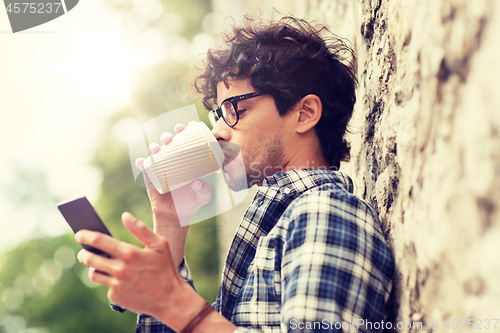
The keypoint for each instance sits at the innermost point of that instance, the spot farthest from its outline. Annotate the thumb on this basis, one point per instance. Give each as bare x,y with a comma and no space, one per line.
201,187
137,228
202,191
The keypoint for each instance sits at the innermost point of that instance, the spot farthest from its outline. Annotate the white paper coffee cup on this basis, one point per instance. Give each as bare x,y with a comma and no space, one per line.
192,154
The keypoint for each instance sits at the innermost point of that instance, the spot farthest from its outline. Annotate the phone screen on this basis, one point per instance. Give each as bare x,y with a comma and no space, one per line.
80,215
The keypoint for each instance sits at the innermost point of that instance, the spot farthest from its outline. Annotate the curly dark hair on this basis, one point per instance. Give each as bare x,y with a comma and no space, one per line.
289,59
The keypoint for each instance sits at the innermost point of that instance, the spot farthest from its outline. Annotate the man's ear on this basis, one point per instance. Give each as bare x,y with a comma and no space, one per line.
309,110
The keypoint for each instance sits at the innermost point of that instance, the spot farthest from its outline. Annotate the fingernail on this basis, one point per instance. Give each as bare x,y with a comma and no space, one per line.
166,137
139,163
131,217
198,185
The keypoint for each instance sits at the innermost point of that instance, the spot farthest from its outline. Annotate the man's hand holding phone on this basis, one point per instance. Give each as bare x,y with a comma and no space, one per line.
142,280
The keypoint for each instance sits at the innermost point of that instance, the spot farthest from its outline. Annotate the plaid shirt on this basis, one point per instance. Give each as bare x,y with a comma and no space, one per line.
308,256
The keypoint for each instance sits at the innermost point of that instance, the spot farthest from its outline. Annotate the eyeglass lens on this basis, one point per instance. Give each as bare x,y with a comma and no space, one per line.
229,113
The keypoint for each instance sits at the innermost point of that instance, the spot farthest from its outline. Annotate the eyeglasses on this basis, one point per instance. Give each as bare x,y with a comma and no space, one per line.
228,109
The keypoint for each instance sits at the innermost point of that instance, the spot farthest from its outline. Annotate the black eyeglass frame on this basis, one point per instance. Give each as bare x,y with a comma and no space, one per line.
217,113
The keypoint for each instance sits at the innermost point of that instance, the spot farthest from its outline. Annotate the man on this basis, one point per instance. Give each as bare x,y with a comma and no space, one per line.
308,256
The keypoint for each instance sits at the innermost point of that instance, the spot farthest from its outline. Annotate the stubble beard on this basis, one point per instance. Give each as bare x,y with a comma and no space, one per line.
260,161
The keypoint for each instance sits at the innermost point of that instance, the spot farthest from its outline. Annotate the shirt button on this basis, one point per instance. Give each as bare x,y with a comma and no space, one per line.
260,203
287,190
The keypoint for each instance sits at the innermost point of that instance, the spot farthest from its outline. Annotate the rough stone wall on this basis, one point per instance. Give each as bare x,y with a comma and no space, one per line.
426,144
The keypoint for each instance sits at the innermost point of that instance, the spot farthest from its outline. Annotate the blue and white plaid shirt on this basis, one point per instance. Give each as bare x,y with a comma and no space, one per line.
308,256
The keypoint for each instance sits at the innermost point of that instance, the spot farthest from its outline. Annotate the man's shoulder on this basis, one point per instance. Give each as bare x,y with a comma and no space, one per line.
331,203
329,214
329,198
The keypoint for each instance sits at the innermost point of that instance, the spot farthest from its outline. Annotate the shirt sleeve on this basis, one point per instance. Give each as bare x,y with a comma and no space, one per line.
185,273
336,267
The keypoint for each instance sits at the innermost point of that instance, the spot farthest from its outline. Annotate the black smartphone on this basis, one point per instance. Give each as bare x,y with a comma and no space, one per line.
80,215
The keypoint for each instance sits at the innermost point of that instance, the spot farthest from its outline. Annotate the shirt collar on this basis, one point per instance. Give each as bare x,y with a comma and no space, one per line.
294,182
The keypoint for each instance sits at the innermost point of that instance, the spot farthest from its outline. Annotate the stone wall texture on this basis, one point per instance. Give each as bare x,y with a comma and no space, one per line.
426,144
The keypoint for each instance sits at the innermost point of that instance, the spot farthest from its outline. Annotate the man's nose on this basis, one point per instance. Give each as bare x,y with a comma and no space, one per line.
222,131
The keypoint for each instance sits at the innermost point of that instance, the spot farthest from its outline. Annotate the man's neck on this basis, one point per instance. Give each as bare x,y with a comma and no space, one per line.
306,159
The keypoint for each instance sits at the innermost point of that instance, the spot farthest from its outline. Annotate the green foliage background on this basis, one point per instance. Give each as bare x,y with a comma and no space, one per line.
58,305
56,296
